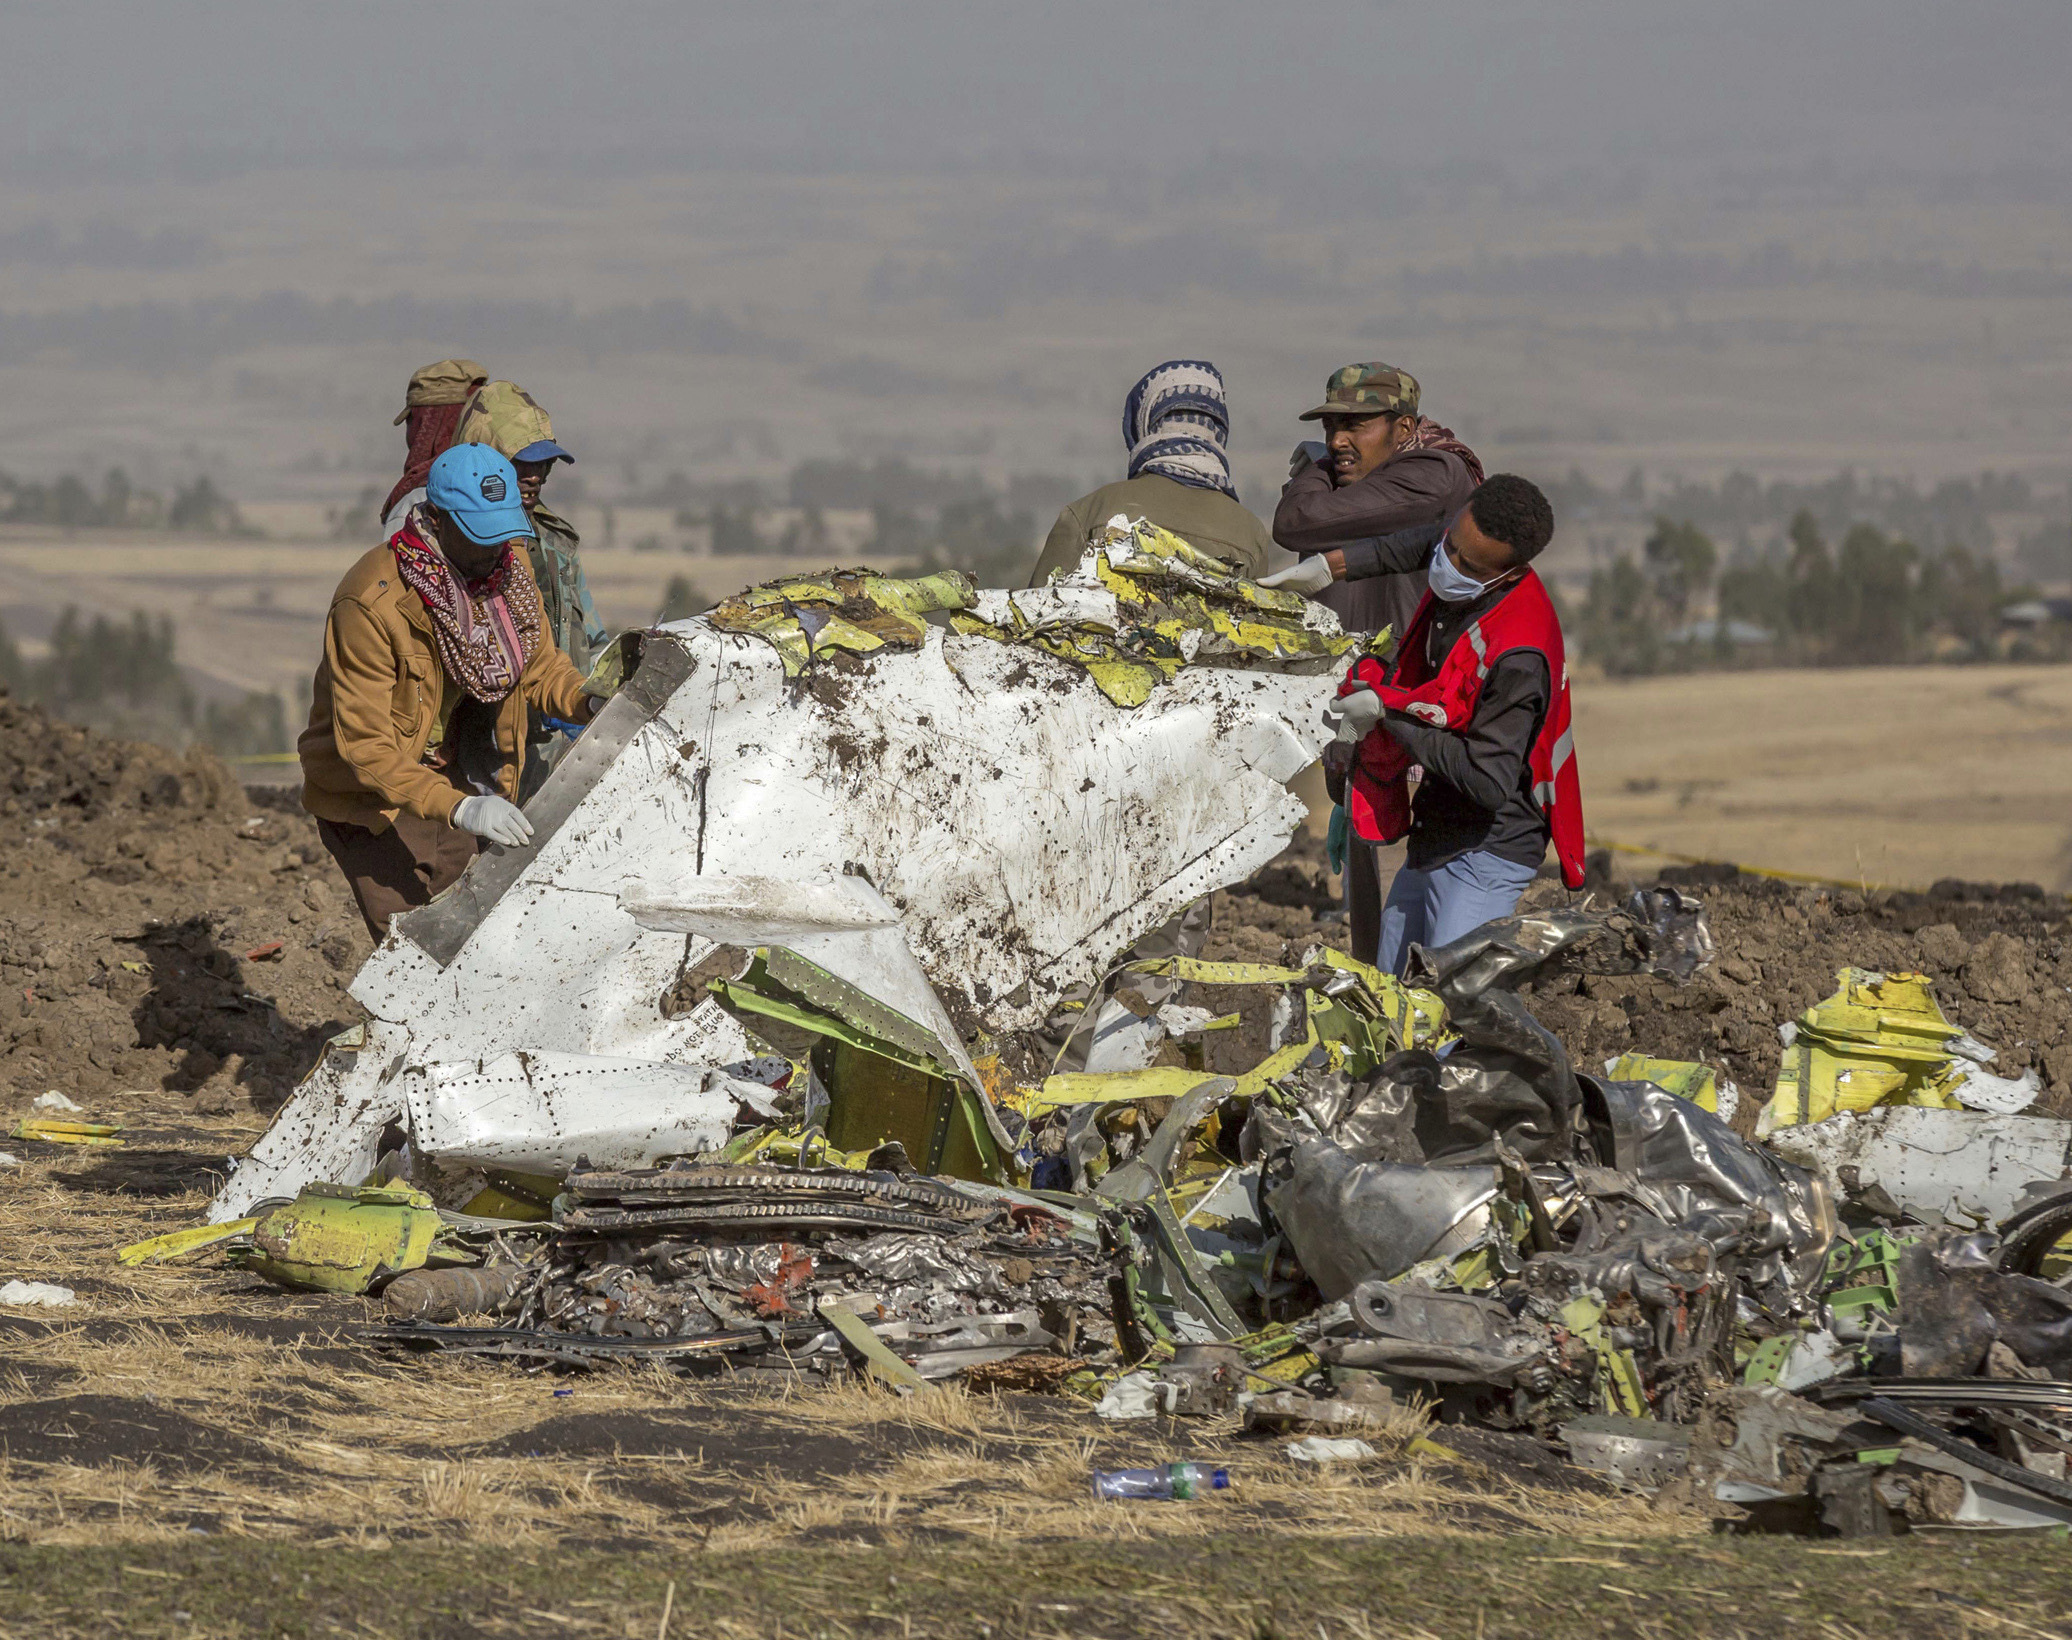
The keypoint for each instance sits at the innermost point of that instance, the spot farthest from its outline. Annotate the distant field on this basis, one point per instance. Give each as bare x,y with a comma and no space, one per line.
250,613
1895,775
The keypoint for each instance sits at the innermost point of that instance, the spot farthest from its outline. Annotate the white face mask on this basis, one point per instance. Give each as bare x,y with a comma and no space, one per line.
1448,583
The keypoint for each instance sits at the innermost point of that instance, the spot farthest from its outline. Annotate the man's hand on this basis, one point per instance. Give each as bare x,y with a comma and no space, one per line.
1309,576
493,818
1308,452
1352,718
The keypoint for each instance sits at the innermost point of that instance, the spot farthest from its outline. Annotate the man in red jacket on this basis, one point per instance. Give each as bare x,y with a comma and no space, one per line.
1477,696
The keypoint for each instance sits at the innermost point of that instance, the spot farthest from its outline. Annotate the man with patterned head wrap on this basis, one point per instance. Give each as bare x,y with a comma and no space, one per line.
432,405
1176,427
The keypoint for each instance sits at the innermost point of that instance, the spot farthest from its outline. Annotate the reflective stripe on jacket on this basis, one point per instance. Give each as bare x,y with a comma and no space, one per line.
1378,794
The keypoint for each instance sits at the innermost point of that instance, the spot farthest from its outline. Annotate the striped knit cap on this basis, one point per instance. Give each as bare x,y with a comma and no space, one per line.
1176,422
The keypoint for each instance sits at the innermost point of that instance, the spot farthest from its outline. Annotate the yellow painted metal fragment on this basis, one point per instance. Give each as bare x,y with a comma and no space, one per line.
178,1242
1881,1039
66,1133
337,1239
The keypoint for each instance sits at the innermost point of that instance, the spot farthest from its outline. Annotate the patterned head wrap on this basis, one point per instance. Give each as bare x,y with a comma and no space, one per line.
1176,422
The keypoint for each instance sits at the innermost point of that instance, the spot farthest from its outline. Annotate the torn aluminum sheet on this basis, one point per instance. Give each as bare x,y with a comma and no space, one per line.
1642,1453
540,1112
1023,827
1962,1165
1349,1221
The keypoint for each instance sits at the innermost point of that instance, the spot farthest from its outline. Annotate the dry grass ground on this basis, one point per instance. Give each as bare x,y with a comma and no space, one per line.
188,1451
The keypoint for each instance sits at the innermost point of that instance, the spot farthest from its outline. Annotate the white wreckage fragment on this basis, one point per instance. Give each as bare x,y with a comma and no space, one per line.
964,829
1965,1166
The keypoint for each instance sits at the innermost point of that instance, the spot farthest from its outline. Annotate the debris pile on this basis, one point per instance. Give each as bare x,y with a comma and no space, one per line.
746,1061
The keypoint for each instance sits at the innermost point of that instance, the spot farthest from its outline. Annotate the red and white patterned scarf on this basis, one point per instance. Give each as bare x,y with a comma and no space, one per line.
1429,435
487,629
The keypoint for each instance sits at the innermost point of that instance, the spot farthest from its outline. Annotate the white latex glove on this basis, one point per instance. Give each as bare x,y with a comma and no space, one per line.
1353,716
1308,576
495,818
1309,450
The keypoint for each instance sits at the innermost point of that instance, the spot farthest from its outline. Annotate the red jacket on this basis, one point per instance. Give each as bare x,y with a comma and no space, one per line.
1378,794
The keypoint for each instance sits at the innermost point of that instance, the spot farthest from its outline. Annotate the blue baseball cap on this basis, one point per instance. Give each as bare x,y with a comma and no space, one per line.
544,450
478,489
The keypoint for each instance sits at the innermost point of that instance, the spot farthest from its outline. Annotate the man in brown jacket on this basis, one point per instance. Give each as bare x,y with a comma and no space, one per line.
434,648
1381,468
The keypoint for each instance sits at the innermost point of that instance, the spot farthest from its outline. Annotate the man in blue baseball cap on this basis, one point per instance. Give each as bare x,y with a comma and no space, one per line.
435,648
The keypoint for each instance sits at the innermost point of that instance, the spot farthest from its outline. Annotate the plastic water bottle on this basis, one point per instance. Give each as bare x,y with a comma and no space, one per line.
1173,1480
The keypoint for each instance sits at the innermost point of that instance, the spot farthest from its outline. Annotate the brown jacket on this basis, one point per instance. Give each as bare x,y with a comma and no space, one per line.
376,701
1417,487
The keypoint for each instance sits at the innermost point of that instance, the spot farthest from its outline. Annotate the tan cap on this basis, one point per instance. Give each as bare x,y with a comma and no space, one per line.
450,381
510,421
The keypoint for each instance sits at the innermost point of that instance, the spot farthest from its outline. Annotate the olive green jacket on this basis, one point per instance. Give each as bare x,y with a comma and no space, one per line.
1205,519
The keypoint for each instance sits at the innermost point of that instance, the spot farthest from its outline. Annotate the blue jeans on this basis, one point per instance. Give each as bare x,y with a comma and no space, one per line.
1436,907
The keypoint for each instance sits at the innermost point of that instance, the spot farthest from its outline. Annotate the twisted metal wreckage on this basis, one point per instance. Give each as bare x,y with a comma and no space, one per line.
743,1058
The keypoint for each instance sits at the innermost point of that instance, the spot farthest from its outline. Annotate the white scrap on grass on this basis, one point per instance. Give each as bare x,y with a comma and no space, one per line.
1133,1395
9,1159
1328,1449
53,1100
36,1292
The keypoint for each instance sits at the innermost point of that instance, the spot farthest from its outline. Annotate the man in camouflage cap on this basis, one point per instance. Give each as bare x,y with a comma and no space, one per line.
512,422
1381,467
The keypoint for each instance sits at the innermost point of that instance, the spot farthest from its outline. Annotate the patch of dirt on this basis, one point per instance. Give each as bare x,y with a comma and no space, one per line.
100,1429
142,890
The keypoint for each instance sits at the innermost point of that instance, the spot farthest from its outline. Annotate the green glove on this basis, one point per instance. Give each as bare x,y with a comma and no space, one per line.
1335,838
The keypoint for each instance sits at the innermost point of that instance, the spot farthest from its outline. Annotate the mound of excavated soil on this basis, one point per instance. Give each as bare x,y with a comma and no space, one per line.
137,883
2001,959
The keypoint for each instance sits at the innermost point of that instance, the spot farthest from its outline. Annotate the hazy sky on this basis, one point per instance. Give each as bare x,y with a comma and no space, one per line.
1686,233
1916,84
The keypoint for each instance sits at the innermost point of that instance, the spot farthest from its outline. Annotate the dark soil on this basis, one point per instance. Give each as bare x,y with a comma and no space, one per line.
99,1429
2001,960
137,881
1233,1582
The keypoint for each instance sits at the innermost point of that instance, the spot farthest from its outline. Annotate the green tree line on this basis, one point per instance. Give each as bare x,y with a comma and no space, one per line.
71,503
1871,599
124,676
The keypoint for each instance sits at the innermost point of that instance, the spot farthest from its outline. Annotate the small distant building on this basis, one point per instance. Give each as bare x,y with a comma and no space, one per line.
2033,612
1742,634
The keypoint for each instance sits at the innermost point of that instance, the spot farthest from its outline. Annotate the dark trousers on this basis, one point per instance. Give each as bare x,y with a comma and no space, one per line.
390,872
1363,898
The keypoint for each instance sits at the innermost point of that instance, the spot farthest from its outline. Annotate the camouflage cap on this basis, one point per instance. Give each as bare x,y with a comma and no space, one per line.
509,420
450,381
1367,390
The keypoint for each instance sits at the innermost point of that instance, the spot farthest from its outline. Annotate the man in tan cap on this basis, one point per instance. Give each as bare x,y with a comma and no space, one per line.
512,422
1381,467
432,405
